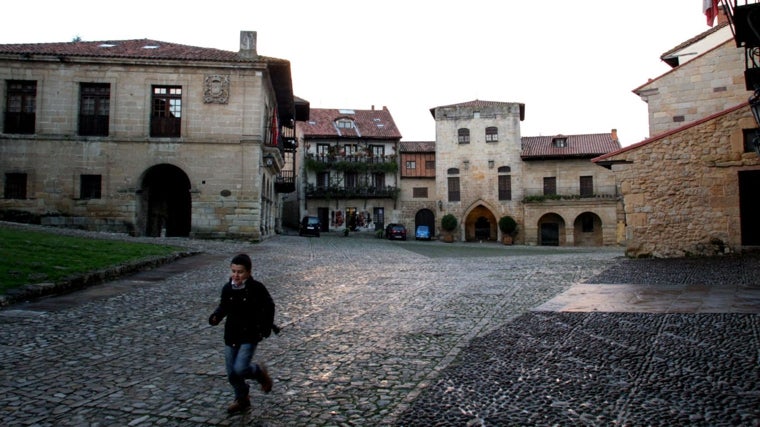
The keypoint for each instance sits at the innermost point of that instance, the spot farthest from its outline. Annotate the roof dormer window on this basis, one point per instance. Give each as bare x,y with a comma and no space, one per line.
344,124
559,142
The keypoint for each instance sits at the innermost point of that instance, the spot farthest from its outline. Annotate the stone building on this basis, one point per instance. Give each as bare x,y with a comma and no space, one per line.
478,169
691,191
147,137
485,170
349,168
692,187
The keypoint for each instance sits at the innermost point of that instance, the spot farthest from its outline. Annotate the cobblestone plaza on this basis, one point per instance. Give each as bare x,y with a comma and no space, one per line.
393,333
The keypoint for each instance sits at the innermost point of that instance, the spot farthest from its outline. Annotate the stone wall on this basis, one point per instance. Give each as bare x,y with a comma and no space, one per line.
219,151
680,191
710,83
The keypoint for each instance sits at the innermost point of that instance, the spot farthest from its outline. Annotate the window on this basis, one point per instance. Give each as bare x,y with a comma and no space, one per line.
323,150
94,109
323,179
378,180
454,195
350,149
344,124
559,142
749,139
587,186
464,136
89,186
20,106
411,164
430,164
15,186
550,186
505,183
377,150
352,179
166,113
492,134
419,192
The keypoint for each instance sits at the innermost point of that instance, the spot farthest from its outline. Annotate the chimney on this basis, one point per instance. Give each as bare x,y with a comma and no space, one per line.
722,15
613,134
248,45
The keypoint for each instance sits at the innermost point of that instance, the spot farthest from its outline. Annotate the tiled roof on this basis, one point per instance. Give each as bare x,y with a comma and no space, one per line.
417,146
579,146
479,103
376,124
153,50
132,49
693,40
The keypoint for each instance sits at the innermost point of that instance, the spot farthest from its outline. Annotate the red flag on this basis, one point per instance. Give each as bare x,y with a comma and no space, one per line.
710,8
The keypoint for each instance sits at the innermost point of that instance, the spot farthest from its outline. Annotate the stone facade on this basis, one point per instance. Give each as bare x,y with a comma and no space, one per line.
682,191
709,83
690,189
478,144
210,180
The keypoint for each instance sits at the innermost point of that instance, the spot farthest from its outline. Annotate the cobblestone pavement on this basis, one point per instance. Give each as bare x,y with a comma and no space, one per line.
378,333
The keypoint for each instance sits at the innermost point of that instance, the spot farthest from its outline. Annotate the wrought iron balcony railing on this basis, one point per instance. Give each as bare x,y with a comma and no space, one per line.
537,195
334,192
351,163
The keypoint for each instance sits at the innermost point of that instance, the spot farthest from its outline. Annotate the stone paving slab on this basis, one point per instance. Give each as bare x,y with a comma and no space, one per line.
371,329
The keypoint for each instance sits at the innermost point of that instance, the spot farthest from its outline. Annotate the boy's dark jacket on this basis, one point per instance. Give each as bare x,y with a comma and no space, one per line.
249,312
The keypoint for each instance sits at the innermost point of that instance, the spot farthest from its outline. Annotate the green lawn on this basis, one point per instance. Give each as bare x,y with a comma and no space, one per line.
34,256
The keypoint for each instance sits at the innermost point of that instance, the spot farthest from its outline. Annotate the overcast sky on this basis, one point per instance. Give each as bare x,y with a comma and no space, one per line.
573,64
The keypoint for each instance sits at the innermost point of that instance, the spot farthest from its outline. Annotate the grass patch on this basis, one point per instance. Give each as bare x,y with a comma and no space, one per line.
34,256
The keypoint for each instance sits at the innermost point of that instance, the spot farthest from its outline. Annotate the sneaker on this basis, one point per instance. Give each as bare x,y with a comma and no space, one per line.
264,379
239,405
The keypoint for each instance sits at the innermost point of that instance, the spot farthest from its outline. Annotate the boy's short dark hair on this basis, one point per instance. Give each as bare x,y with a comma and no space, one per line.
242,259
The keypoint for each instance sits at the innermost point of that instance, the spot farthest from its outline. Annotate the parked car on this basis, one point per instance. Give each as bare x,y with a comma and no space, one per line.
395,231
422,233
309,226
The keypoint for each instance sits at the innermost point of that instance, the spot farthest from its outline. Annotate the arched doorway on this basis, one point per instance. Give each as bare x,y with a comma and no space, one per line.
587,230
480,225
551,229
424,217
164,202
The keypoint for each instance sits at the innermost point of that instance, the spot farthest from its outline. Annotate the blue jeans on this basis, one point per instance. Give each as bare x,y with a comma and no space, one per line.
237,359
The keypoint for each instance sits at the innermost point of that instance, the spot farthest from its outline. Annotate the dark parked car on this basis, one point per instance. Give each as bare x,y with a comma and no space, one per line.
309,226
422,233
395,231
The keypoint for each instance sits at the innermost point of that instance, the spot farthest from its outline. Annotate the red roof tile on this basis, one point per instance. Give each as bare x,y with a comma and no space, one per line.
417,146
377,124
133,49
479,103
590,145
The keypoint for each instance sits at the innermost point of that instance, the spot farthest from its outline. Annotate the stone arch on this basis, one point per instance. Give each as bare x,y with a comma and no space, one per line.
551,230
163,202
480,224
587,230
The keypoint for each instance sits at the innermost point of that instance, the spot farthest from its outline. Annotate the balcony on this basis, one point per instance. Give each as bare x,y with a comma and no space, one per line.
335,192
351,163
537,195
285,182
